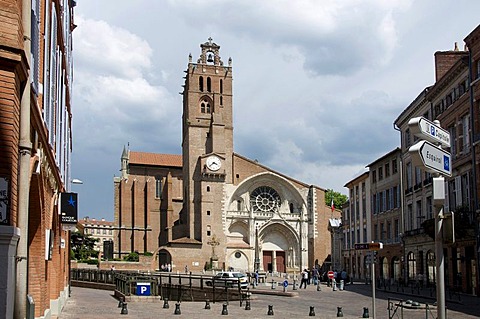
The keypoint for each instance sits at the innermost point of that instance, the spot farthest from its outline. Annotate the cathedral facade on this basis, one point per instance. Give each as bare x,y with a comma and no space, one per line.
211,207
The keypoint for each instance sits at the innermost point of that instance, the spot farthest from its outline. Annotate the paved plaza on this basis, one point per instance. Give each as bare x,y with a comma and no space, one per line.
92,303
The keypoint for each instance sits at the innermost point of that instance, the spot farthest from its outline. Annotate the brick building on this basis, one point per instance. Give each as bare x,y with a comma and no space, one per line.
211,206
35,148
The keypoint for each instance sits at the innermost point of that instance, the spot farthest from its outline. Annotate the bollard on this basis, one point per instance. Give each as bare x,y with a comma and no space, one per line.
165,303
207,304
124,310
312,312
270,310
318,286
274,284
339,312
224,309
334,285
120,302
247,305
177,309
341,284
294,284
365,313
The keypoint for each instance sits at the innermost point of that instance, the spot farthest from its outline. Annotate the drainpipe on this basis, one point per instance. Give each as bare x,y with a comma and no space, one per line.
402,209
474,146
25,148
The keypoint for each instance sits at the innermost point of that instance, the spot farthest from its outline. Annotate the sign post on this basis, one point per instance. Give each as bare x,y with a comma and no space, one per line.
371,247
437,161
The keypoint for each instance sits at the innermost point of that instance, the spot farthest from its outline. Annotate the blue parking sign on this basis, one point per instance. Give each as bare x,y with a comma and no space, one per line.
143,289
285,283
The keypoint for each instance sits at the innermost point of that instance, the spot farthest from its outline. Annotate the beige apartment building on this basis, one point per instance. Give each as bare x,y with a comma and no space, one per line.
211,207
100,229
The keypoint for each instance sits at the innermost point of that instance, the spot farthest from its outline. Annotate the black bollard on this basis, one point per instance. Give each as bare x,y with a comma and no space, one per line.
177,309
224,309
339,312
207,304
312,311
165,303
124,310
247,305
120,302
365,313
270,310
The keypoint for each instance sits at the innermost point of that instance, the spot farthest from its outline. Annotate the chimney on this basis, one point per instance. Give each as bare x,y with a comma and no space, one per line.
444,60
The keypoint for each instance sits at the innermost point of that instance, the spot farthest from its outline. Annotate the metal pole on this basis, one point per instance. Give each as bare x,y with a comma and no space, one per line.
373,284
439,192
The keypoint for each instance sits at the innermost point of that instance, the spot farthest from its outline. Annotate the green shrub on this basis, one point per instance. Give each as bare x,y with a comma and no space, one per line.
131,257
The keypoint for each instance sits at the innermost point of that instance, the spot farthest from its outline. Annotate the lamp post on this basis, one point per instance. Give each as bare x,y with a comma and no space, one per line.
69,230
257,252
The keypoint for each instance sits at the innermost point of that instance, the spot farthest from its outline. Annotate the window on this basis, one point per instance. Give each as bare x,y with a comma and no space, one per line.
205,106
453,138
410,225
409,175
429,207
239,205
374,176
265,199
464,136
465,189
110,232
221,86
380,173
208,188
418,176
158,187
209,84
408,140
200,84
387,170
396,229
104,231
411,266
394,166
209,230
208,213
420,216
375,232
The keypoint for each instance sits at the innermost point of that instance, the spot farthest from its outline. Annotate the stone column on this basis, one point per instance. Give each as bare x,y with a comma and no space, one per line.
9,237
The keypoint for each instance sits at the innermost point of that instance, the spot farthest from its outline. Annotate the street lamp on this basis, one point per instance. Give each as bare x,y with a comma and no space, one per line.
76,181
257,252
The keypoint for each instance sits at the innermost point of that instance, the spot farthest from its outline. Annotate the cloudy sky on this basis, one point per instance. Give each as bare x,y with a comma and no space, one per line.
317,83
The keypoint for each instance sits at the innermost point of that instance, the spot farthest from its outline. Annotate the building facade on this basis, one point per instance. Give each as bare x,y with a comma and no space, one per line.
35,143
356,227
386,214
99,229
448,100
211,207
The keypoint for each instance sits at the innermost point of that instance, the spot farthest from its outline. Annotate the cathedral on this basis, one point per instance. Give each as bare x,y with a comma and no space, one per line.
211,207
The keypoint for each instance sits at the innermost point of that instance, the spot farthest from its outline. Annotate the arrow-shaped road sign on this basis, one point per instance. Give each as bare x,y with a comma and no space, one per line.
424,129
432,157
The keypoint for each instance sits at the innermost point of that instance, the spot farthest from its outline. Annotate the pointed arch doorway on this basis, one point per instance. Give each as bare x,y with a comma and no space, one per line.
277,248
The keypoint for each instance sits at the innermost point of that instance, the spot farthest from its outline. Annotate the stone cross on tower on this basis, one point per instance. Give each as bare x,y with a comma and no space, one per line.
214,242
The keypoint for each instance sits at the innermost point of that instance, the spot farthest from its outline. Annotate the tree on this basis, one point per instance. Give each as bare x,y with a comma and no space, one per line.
82,246
339,199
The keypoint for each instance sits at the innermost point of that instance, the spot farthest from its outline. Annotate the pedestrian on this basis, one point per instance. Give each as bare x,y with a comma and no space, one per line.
255,281
186,269
169,267
315,276
304,281
112,268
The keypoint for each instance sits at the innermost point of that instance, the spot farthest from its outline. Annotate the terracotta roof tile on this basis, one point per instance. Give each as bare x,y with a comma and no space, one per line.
142,158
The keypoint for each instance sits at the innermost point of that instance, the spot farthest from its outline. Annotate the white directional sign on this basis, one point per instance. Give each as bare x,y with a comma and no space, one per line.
432,157
423,128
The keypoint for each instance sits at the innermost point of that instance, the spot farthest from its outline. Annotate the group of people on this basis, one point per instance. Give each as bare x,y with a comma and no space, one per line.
313,276
166,267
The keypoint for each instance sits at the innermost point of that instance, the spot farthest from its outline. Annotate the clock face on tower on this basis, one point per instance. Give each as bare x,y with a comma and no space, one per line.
213,163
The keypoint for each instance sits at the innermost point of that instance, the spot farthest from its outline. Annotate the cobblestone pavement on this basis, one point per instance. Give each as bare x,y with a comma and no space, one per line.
92,303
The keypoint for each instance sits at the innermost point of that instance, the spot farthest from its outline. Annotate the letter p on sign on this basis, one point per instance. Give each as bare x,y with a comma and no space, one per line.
143,288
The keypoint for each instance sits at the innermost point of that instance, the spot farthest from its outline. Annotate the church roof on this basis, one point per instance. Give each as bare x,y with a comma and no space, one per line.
143,158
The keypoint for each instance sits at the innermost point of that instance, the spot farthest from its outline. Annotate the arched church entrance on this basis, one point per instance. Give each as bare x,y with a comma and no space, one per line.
278,250
164,259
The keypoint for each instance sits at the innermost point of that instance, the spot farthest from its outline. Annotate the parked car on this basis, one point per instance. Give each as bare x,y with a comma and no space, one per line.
230,279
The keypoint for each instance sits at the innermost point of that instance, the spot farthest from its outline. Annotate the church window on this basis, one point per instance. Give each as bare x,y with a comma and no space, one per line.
291,208
205,106
221,86
208,213
158,187
221,100
238,254
239,205
208,188
265,199
209,84
209,230
200,84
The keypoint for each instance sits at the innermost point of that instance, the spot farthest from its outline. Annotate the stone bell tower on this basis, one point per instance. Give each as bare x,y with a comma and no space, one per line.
207,143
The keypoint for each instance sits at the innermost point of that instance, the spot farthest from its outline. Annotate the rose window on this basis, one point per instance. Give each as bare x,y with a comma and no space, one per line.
265,199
